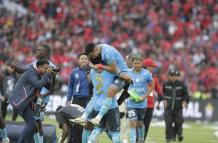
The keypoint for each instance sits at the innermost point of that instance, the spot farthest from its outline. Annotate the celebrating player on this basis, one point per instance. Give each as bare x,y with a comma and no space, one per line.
113,63
141,88
101,81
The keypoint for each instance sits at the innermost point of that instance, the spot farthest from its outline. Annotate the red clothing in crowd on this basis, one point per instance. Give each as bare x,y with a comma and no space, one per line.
150,98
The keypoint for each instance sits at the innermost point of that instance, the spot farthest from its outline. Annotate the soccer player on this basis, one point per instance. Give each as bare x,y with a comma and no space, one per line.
113,63
101,81
129,61
39,109
136,104
42,52
24,93
150,65
125,95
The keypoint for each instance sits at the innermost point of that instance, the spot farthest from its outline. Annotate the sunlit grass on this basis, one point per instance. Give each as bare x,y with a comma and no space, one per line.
196,133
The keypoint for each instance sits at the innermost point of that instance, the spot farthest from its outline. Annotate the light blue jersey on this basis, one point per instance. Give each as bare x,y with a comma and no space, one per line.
140,82
46,99
39,115
109,54
101,82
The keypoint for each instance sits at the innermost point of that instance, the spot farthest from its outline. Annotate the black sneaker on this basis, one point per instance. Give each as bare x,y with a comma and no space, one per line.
180,139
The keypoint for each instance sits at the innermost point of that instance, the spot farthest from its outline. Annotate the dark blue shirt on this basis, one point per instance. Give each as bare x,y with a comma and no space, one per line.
78,85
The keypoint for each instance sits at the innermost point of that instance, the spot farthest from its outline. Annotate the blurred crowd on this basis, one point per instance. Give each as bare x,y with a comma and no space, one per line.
175,33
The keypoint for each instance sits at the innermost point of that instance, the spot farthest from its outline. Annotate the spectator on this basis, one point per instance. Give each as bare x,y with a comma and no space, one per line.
168,31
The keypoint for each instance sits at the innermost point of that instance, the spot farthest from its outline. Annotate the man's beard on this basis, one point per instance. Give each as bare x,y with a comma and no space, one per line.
96,60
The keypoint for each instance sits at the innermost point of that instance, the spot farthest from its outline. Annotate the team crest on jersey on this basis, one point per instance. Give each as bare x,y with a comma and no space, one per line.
107,56
137,80
76,75
116,81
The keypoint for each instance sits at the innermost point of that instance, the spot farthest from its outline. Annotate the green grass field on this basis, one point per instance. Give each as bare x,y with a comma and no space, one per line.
193,132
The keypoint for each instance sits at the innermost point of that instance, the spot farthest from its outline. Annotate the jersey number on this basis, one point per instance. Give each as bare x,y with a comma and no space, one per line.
99,80
131,113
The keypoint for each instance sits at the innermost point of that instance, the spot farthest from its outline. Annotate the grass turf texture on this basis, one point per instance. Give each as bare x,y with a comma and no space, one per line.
195,133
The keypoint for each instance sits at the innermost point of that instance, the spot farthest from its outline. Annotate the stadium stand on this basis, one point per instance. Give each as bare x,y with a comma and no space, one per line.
180,33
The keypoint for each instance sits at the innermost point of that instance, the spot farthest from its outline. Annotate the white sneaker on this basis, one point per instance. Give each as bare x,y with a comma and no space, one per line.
94,121
5,140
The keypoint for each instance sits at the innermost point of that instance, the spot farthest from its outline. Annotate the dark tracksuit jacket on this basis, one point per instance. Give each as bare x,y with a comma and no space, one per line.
78,87
175,94
25,88
23,93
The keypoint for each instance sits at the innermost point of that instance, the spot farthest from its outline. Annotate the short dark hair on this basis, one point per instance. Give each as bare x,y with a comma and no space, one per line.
129,56
41,62
81,54
174,72
89,48
177,73
46,48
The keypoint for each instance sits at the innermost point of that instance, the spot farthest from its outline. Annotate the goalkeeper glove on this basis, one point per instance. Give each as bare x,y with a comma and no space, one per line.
134,96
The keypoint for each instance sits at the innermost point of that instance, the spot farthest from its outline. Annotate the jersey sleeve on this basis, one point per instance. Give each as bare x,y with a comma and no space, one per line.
158,89
91,75
148,77
108,58
70,86
157,86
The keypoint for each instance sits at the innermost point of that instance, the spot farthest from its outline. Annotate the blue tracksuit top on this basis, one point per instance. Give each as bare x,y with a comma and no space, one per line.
25,88
78,85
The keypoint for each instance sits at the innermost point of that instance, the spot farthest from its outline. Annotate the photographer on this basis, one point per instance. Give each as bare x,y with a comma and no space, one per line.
42,52
26,89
